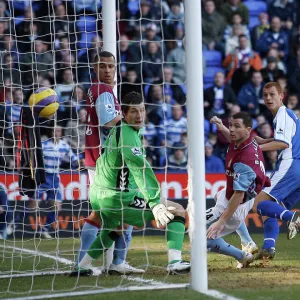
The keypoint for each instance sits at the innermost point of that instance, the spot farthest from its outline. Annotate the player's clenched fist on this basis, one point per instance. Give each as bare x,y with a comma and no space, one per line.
162,214
217,121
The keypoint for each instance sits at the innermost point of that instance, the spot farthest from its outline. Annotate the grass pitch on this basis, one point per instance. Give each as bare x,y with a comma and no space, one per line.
277,279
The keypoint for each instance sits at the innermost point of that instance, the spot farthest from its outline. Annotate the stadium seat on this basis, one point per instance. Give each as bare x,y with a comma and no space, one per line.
18,20
253,21
86,24
256,7
209,75
212,58
86,40
207,85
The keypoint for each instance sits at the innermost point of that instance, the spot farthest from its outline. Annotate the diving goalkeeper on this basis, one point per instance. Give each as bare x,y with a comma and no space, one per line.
126,190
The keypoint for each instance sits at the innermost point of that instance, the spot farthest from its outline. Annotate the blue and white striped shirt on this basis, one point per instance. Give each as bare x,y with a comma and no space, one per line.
55,153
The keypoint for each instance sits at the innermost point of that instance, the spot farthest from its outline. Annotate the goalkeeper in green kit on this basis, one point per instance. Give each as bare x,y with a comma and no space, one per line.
126,190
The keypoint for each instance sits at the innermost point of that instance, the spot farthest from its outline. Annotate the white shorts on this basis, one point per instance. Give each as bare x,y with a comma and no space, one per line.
214,213
92,174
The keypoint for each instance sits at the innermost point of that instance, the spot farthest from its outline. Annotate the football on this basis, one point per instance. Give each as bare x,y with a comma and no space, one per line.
44,102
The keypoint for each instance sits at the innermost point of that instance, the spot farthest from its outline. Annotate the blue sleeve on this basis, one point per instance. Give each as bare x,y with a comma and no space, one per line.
105,108
243,177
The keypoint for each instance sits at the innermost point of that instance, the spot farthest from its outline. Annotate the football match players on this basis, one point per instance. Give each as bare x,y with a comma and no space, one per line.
126,190
103,112
245,177
276,201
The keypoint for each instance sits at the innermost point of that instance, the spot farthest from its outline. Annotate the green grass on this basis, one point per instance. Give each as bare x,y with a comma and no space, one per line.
277,279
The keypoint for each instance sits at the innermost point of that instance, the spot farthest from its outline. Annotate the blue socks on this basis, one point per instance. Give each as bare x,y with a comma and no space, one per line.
88,235
49,221
121,246
243,232
271,231
220,246
274,210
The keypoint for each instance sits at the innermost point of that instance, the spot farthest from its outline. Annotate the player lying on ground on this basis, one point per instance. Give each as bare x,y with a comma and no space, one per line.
276,201
103,112
126,190
245,177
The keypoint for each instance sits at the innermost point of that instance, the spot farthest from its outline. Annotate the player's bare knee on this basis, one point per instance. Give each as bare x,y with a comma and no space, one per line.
93,217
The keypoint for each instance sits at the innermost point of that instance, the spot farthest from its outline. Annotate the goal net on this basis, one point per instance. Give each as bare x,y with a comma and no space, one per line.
52,44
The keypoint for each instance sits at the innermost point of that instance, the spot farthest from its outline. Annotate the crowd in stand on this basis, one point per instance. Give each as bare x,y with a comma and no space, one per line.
245,45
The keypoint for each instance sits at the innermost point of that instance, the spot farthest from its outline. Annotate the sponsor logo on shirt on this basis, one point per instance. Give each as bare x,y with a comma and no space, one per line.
229,164
136,151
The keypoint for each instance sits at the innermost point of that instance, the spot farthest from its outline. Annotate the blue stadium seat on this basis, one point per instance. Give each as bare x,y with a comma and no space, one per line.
253,21
86,39
20,4
18,20
256,7
209,75
86,24
207,85
212,58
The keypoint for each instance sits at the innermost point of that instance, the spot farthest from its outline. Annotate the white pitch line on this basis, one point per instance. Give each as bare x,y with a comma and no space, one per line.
157,285
31,274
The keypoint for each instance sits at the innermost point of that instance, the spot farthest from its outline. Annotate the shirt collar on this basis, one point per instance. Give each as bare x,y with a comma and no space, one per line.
244,144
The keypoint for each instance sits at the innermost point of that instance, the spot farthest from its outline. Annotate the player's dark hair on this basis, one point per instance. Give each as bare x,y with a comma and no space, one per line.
247,120
132,98
98,56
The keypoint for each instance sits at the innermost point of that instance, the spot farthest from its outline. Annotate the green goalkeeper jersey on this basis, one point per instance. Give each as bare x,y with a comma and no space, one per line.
122,170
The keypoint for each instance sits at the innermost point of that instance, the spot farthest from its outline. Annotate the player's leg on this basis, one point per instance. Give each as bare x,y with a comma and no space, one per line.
54,198
248,245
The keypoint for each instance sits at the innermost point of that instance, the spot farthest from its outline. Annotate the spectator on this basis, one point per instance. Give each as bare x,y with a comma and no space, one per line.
4,12
270,160
62,26
184,141
250,97
130,83
236,20
219,98
234,6
282,81
3,26
232,42
292,102
75,133
233,60
173,19
77,101
213,164
170,88
9,71
128,56
284,10
274,53
170,129
265,130
64,92
14,109
152,63
242,75
40,61
212,27
294,63
176,60
294,83
274,38
86,6
158,108
177,161
62,48
258,30
271,71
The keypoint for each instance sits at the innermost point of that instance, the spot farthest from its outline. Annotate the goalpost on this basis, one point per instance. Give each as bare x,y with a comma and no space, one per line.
44,262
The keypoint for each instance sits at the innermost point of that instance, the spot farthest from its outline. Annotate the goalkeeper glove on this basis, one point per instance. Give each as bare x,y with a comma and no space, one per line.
162,214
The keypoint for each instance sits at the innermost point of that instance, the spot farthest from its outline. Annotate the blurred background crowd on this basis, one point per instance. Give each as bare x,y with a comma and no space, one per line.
245,45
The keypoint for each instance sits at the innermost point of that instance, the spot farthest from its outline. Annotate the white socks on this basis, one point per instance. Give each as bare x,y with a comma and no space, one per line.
174,254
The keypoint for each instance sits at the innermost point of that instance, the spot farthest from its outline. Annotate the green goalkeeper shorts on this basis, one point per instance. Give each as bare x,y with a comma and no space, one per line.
115,208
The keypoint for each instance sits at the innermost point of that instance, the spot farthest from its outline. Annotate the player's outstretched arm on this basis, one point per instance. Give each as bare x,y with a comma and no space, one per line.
221,127
274,146
215,229
261,141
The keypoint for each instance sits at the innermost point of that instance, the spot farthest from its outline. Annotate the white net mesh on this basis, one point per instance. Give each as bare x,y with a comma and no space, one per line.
52,44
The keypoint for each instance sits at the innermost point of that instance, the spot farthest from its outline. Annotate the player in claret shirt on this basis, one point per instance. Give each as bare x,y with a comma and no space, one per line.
245,178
